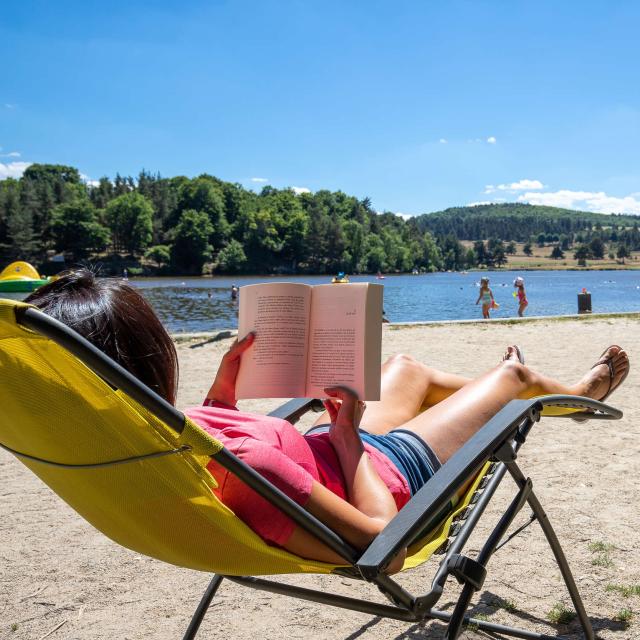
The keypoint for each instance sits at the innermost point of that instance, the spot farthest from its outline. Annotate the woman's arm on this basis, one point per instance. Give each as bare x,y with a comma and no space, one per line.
371,506
365,489
348,522
223,389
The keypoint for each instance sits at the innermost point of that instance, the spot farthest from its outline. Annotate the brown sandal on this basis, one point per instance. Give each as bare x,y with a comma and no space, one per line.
609,362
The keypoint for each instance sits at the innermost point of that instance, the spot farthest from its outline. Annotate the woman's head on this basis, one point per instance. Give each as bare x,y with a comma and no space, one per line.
518,282
484,281
114,317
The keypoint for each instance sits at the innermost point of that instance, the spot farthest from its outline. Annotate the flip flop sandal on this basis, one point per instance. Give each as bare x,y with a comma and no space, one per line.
519,354
612,372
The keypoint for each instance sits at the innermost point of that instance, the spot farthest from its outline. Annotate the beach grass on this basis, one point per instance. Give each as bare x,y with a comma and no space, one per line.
561,614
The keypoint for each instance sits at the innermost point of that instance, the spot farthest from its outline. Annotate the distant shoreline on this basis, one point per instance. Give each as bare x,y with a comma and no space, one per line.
386,274
561,268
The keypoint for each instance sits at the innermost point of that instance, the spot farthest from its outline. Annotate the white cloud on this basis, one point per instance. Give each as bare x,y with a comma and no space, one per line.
12,154
259,179
299,190
443,141
597,201
489,140
8,105
521,185
13,169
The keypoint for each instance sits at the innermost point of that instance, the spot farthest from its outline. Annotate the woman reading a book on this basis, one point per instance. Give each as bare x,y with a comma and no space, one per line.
355,472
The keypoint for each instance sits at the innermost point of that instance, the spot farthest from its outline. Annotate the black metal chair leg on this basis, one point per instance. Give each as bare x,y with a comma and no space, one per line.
563,565
457,618
198,616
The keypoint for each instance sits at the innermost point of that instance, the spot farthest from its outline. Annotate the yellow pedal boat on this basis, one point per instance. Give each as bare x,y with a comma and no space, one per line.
20,277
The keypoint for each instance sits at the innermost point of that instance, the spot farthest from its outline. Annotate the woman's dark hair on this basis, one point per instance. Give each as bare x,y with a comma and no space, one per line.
114,317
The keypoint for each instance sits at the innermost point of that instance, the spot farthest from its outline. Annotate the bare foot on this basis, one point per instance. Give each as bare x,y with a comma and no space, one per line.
606,375
514,353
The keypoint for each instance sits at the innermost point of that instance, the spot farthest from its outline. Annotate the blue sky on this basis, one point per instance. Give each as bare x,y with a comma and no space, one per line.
418,105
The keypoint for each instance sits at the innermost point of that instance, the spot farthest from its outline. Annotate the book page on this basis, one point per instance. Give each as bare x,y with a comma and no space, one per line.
346,321
275,365
373,342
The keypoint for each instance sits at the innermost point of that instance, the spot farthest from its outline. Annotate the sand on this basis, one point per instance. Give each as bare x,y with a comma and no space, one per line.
60,578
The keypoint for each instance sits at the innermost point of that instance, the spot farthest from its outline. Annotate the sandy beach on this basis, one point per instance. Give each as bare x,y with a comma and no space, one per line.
60,578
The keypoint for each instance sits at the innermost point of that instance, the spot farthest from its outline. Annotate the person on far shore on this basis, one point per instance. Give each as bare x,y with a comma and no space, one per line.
486,296
518,283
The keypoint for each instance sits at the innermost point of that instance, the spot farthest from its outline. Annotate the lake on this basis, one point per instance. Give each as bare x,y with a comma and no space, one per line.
204,304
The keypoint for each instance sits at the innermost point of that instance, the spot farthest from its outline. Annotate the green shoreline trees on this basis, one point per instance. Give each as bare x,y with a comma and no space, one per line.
186,226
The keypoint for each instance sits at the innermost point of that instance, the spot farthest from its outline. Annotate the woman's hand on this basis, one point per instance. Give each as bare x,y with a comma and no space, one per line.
223,388
344,409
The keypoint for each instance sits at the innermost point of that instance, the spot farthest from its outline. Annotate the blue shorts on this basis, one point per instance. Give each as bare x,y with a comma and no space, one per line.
411,455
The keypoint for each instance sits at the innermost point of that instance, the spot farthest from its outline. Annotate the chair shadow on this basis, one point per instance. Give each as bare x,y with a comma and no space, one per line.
364,628
488,605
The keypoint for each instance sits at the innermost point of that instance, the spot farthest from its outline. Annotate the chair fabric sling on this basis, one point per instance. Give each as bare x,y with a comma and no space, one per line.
58,410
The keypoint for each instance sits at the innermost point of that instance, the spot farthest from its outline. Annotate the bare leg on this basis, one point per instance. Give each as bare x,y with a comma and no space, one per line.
460,406
407,387
450,423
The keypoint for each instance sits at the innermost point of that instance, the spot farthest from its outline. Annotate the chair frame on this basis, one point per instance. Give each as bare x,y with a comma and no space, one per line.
498,440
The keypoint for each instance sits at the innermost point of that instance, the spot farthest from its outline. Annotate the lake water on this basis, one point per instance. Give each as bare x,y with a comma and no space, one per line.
204,304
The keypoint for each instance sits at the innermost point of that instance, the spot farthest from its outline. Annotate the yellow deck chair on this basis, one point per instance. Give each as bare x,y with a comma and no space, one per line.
135,468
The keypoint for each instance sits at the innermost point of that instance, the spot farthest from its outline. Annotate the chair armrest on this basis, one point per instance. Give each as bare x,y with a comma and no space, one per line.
593,409
435,495
296,408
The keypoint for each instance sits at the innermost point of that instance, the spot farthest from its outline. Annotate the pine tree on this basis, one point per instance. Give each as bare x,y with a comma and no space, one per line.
21,239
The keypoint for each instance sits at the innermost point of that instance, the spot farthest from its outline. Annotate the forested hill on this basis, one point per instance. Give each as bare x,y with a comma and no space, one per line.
516,221
180,225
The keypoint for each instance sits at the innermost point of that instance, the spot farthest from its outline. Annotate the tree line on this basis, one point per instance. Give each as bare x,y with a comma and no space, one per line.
184,225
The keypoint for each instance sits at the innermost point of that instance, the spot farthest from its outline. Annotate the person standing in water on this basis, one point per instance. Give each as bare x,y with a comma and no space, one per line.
520,293
486,295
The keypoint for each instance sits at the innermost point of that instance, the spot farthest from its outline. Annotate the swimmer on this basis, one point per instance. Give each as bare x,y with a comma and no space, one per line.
518,283
486,295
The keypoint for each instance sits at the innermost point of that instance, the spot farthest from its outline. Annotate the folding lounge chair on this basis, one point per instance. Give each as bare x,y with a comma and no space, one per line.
135,468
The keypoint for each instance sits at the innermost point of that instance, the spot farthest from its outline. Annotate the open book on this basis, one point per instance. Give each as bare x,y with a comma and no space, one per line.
309,338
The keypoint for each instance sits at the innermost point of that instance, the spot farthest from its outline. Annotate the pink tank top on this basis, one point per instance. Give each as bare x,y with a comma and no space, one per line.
289,460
